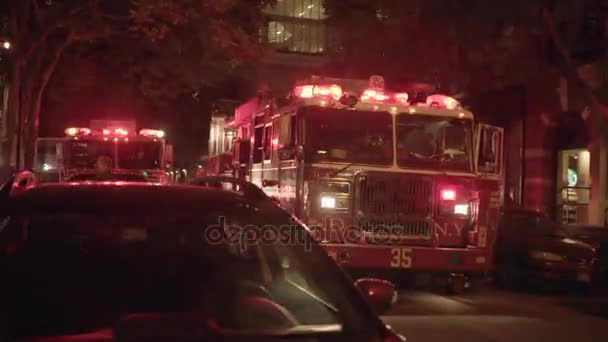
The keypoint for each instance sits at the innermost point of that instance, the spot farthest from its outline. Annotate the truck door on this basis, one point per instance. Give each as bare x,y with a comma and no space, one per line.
489,165
489,140
49,159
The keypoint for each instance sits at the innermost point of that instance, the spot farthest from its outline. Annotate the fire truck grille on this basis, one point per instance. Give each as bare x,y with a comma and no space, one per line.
394,195
380,230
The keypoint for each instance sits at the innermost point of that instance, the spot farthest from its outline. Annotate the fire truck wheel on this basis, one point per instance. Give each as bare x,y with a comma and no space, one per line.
456,284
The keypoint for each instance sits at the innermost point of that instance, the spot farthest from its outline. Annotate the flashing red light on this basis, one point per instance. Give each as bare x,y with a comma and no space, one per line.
153,133
105,139
448,195
442,101
106,132
73,131
374,96
333,90
115,139
309,91
304,92
121,131
401,97
275,142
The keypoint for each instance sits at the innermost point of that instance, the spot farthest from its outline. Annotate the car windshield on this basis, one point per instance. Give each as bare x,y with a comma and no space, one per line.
92,271
127,155
429,142
348,136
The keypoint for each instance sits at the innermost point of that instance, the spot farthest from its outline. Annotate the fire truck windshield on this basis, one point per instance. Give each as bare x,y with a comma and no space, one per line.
348,136
431,142
144,155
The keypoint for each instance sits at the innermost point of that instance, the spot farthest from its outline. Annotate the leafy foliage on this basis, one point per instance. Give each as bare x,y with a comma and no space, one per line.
177,47
464,44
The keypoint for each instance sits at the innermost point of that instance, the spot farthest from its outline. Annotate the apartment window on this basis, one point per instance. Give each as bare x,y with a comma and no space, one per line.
297,26
305,9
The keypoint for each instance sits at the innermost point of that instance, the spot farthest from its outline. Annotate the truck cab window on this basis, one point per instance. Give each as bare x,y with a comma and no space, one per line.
488,151
257,145
268,142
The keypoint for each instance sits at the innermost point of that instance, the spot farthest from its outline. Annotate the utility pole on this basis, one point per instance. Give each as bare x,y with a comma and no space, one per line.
19,131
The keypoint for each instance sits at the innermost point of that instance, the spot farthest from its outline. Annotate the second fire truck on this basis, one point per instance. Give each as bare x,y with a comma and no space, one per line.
389,184
143,155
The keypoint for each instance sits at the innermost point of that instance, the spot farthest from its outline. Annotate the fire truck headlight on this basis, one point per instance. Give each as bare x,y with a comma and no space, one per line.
461,209
328,202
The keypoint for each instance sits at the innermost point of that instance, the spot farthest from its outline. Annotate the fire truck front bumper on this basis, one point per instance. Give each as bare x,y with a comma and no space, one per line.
469,260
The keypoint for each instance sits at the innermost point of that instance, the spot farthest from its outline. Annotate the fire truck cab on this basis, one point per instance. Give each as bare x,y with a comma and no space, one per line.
390,184
136,156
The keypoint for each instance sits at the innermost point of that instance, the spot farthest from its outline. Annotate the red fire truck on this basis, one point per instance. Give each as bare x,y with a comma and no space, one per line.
391,184
137,156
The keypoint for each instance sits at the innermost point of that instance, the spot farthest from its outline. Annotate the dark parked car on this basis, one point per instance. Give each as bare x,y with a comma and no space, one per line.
596,236
531,248
142,262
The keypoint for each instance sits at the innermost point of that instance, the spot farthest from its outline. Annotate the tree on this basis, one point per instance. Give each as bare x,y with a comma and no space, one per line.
180,47
169,49
40,32
181,55
462,46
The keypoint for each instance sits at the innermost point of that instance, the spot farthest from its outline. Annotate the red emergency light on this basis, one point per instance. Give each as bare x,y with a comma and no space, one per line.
310,91
448,194
121,131
372,95
443,101
74,131
401,97
152,133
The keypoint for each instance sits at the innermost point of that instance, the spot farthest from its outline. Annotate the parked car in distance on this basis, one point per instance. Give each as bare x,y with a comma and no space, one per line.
532,249
596,236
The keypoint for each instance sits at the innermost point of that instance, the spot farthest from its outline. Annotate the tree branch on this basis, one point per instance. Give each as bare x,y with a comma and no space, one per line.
46,76
572,73
47,33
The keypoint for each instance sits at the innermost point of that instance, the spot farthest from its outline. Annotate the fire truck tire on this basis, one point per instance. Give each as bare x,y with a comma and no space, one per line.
456,284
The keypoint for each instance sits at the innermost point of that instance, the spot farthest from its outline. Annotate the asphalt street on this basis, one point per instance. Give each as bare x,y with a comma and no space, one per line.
490,314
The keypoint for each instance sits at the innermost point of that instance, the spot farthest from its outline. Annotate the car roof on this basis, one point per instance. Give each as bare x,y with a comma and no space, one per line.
124,197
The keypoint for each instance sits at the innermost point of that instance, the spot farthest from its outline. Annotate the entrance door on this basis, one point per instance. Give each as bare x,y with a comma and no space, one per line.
573,186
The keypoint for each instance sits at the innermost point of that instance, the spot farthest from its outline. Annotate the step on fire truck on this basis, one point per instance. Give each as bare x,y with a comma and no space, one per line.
389,184
144,156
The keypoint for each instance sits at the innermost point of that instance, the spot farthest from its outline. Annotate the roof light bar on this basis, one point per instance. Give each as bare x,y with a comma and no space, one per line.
75,131
372,95
401,97
152,133
121,131
321,90
443,101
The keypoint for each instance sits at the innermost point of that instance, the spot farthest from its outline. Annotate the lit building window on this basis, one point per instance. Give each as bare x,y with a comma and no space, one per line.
305,9
297,26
